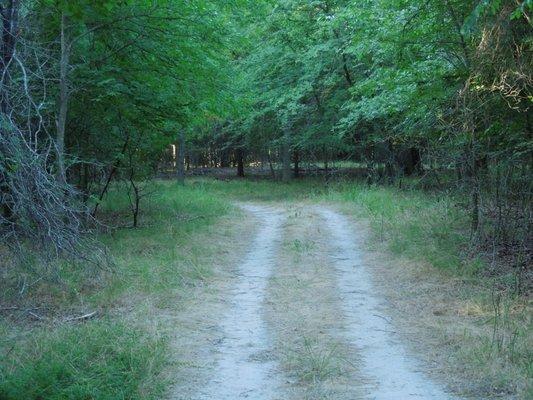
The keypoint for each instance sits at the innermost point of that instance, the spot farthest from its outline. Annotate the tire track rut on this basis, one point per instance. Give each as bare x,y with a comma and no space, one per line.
244,367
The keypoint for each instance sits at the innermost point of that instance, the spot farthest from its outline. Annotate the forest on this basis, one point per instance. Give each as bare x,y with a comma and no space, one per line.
153,152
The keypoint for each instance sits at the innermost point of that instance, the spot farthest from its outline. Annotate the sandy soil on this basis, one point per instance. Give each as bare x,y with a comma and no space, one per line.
244,367
298,316
392,372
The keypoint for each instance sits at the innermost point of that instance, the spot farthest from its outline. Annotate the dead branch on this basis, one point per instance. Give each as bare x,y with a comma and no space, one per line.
82,317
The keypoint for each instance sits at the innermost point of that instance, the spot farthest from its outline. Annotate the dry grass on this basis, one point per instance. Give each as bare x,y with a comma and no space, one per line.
303,313
476,340
194,327
160,272
168,293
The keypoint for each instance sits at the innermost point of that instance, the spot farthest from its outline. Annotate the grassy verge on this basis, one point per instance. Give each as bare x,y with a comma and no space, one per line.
415,224
489,326
123,352
483,326
431,228
98,360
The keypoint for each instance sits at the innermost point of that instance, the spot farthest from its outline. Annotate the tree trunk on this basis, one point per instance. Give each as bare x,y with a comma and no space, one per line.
410,161
224,159
9,14
180,162
370,167
286,156
471,173
63,103
136,199
239,154
390,163
112,172
296,158
326,160
272,172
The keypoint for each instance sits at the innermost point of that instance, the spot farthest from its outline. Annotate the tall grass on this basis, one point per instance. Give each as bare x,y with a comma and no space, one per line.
421,226
262,190
97,360
118,355
433,229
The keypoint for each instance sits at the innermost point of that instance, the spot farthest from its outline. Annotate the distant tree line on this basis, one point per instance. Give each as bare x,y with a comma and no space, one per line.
439,90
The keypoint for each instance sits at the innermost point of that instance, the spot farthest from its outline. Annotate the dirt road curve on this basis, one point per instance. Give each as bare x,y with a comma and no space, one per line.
248,359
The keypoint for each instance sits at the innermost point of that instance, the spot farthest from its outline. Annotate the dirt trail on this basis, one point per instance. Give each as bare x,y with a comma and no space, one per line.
244,368
310,325
393,373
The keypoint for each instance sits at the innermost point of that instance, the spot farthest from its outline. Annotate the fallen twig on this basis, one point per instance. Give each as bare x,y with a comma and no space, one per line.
383,318
8,308
82,317
15,308
35,315
184,218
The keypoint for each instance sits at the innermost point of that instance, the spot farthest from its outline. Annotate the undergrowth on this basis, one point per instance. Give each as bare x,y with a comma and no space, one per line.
116,355
102,360
421,226
433,229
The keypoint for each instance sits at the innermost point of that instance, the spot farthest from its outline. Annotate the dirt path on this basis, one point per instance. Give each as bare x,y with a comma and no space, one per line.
302,320
244,368
391,373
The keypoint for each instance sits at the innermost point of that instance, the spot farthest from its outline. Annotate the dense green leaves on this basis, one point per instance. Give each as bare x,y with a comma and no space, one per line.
346,75
446,81
139,71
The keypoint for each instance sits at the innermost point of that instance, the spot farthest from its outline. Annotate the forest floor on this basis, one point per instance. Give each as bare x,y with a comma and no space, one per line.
258,290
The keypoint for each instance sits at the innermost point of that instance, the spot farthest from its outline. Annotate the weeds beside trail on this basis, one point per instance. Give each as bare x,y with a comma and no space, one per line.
123,353
303,313
480,319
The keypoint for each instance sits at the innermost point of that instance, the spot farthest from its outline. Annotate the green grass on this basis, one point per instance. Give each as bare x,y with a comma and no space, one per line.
415,224
316,362
262,190
102,360
162,254
119,356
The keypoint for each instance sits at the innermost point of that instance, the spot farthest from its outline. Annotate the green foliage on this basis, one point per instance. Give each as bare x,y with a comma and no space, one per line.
139,72
492,7
159,263
370,78
417,225
262,190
